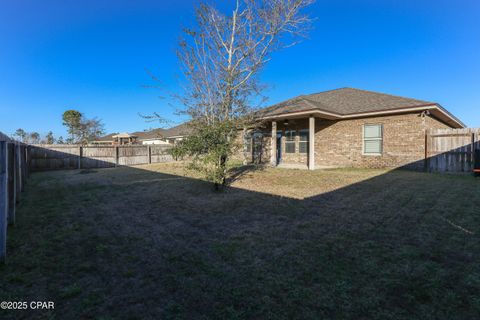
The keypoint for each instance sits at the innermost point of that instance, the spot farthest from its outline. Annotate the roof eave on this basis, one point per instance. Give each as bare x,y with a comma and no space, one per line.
441,113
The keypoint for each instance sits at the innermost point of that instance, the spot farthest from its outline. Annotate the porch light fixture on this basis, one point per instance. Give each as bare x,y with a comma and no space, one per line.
285,123
425,113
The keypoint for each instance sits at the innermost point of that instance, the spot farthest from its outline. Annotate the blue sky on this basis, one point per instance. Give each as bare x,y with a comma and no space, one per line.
92,56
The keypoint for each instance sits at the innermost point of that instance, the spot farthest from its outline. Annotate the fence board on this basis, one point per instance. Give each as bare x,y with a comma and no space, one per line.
3,200
13,174
18,172
12,190
451,150
50,157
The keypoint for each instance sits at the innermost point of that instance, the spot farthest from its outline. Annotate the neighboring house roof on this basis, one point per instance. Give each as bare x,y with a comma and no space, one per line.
141,135
178,131
347,103
124,135
150,135
106,138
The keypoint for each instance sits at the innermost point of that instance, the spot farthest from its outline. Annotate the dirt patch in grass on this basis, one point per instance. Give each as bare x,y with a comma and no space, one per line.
156,242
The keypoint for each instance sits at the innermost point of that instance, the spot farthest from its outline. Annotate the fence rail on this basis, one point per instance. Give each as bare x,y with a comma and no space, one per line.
18,159
451,150
51,157
13,176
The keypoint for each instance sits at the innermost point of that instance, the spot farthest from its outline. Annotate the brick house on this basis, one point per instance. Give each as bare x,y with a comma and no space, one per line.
116,139
346,128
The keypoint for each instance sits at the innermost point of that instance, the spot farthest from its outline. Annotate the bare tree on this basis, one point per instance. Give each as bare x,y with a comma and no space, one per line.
90,129
221,59
81,129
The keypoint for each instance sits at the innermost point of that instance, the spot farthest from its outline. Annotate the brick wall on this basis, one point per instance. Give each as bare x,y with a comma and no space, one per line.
340,143
259,154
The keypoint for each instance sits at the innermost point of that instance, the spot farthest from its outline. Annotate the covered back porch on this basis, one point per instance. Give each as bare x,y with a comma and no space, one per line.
292,142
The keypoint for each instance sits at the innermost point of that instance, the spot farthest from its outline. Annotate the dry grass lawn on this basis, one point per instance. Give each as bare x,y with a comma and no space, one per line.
156,242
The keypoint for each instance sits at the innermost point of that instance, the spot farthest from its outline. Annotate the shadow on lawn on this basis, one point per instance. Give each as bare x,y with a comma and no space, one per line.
133,243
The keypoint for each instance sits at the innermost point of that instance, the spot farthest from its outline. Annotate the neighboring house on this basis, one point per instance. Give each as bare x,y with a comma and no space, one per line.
348,128
177,133
124,139
117,139
155,136
164,136
105,140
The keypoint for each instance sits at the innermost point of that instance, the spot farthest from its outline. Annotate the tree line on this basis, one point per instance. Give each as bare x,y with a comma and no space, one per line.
35,137
80,129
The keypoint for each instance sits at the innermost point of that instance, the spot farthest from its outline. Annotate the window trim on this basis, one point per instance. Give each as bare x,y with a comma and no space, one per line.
372,154
294,141
300,141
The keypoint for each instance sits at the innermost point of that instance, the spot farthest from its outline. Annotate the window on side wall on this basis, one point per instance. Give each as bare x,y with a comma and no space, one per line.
290,141
303,143
373,139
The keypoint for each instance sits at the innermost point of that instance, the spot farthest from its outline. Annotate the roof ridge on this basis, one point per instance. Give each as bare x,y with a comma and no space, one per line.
391,95
367,91
310,94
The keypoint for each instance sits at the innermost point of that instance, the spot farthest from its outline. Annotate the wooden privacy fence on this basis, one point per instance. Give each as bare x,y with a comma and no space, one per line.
13,176
451,150
51,157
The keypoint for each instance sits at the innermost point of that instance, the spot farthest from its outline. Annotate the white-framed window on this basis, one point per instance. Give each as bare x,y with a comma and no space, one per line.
373,139
303,142
290,141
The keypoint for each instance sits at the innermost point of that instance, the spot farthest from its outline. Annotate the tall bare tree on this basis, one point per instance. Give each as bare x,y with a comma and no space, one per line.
221,59
89,130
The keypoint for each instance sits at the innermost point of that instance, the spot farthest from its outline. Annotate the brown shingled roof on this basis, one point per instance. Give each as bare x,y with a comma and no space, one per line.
178,131
344,101
106,138
152,134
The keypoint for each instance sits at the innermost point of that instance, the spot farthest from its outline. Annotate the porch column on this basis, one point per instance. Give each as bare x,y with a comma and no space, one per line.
311,143
244,134
273,145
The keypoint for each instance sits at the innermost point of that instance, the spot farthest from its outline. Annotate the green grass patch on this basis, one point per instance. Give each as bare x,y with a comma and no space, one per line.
156,242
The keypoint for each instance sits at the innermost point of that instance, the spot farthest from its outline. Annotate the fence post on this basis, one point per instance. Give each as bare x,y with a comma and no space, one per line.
18,172
3,200
149,155
80,150
473,150
11,183
116,156
425,162
27,161
23,152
